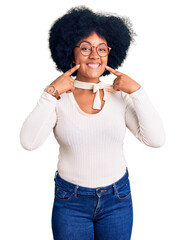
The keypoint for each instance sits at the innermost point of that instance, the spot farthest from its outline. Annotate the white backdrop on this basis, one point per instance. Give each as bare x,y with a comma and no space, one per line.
155,61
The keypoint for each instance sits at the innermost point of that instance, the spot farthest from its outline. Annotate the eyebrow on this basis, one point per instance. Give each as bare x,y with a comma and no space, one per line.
91,43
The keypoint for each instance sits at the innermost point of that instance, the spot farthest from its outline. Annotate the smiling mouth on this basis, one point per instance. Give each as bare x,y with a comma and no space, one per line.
93,65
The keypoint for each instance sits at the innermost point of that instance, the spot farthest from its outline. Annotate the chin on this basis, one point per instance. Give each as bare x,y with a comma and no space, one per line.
95,74
90,73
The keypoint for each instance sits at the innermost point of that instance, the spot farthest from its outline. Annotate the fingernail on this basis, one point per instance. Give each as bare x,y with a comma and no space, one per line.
78,65
107,67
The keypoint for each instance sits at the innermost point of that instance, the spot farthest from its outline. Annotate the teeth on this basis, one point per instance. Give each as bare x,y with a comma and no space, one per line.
93,65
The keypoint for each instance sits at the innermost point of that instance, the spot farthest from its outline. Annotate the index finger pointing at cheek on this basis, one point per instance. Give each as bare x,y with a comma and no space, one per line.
72,70
117,73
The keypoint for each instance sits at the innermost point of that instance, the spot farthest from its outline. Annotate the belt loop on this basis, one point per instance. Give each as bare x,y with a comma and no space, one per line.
127,172
55,174
115,190
75,191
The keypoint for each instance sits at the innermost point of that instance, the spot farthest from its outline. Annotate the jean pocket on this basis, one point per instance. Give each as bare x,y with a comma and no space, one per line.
62,193
124,191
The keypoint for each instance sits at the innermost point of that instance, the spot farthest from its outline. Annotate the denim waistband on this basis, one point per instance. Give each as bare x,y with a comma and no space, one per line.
71,186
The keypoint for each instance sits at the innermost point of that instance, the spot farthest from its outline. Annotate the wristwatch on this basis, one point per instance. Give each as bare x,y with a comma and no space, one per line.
51,90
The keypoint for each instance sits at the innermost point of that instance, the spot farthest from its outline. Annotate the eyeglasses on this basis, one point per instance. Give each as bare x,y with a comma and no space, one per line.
86,49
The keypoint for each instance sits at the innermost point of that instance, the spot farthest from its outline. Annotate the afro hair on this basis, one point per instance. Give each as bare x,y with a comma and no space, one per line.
80,22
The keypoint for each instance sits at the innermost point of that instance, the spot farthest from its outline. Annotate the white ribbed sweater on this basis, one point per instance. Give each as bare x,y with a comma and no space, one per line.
91,145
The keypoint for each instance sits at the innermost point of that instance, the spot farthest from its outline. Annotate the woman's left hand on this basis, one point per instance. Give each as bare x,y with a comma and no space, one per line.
123,82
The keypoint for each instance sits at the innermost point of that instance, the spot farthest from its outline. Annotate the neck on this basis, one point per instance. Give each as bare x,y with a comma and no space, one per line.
87,79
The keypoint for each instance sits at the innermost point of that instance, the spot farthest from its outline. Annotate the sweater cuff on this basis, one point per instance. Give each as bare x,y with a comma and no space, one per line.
49,97
140,94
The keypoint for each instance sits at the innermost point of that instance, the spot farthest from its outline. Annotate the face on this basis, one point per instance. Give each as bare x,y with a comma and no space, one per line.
92,66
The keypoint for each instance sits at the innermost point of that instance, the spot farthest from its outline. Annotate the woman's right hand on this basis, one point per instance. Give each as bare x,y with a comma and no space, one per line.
65,83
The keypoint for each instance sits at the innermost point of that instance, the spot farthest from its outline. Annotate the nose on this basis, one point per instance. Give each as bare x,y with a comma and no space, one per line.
94,53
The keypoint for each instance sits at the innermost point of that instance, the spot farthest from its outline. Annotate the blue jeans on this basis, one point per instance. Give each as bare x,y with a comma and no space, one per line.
103,213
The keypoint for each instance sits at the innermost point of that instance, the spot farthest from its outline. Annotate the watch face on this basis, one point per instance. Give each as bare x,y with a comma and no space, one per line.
51,89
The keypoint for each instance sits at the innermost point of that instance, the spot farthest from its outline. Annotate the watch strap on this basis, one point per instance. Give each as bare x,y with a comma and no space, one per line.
54,93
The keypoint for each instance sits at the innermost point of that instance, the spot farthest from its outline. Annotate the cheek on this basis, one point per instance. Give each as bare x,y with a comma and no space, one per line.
104,61
79,60
78,57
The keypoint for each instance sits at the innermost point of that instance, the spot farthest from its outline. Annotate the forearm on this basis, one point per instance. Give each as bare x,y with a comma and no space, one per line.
39,123
143,119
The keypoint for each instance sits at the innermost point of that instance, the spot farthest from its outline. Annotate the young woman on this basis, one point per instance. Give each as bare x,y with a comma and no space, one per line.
89,119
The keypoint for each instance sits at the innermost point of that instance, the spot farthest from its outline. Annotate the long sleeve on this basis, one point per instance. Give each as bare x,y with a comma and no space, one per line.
38,125
143,120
